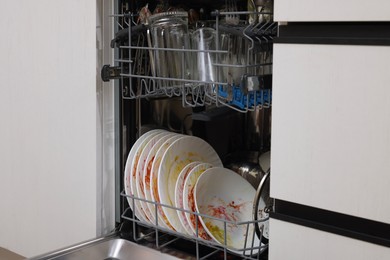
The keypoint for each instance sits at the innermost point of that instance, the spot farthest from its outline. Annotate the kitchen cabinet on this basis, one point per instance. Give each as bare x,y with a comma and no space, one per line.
48,136
299,242
330,131
331,11
331,125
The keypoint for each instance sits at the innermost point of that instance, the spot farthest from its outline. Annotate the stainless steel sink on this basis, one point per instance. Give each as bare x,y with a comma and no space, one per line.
107,249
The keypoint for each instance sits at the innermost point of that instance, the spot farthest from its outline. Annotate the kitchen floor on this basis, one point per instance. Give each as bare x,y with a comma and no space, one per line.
8,255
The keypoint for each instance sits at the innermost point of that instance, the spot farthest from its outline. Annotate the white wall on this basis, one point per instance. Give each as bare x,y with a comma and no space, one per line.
48,124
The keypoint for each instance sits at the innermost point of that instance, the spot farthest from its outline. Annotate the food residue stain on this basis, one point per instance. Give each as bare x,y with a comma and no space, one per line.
148,172
219,234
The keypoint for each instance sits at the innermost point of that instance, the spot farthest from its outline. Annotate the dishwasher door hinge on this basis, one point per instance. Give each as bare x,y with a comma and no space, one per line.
109,72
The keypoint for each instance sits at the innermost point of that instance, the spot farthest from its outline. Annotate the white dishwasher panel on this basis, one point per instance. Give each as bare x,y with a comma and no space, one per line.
331,128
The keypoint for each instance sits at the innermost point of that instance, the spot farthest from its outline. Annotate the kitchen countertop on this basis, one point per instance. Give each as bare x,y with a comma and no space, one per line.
8,255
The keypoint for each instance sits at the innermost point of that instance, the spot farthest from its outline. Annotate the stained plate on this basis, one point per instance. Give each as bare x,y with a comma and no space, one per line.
232,199
136,151
179,189
162,219
180,153
189,200
129,161
144,210
146,177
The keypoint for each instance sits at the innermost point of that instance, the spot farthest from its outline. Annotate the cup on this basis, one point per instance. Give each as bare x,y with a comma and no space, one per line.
169,31
203,40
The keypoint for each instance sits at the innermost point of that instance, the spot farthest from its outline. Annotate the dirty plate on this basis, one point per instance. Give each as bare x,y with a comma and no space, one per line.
144,210
180,153
189,200
223,194
162,219
146,177
129,162
179,189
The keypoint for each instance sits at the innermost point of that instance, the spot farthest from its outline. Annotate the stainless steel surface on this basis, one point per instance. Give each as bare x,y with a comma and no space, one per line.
262,206
249,171
258,130
171,114
112,248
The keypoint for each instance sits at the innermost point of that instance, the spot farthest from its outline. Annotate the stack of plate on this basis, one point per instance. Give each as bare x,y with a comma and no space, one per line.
167,172
152,170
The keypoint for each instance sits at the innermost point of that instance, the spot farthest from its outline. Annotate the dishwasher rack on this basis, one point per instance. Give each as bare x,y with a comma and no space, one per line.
158,234
253,90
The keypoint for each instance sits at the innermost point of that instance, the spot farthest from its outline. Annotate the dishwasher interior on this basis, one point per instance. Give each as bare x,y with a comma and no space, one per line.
201,69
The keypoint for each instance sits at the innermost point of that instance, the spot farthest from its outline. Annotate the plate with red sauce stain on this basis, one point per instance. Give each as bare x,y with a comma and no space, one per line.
189,200
180,153
162,218
147,176
129,167
179,192
144,210
225,195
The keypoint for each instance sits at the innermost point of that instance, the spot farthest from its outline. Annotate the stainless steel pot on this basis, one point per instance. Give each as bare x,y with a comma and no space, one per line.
256,170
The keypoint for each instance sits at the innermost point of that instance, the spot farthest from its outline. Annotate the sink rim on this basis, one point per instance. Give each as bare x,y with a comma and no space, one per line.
75,247
95,245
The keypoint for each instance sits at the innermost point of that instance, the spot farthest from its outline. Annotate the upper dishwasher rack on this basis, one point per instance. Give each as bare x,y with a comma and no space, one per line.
216,63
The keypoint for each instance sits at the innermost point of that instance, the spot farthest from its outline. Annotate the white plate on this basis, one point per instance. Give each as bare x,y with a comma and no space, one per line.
144,210
128,168
146,177
179,189
141,142
177,156
224,194
162,219
189,200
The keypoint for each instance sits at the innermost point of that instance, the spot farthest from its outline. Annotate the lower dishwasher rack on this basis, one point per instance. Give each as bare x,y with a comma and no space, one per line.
193,247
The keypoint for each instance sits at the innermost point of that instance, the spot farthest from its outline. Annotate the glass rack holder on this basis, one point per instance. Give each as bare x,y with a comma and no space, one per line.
196,92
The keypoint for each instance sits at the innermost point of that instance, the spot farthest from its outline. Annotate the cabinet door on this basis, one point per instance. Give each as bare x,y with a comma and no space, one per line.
331,128
48,183
331,10
318,245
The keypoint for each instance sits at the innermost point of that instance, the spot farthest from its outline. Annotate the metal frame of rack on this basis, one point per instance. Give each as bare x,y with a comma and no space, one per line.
248,251
249,94
240,97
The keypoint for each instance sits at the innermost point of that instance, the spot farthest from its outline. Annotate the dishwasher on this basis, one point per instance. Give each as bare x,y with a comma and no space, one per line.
193,76
204,70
